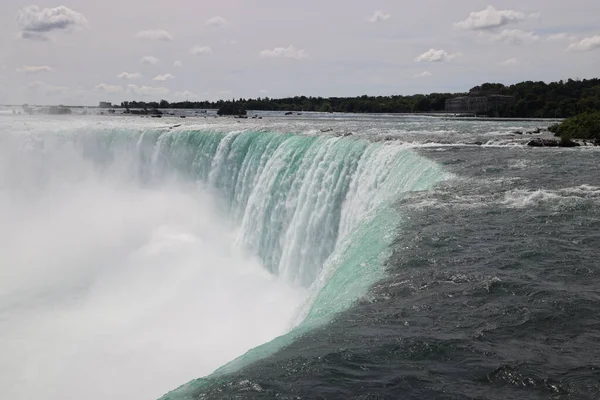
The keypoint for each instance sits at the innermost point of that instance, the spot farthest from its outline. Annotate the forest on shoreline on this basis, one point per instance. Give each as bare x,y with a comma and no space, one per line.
562,99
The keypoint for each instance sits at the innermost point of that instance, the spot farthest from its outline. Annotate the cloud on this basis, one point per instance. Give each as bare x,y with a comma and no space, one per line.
149,60
200,50
285,52
35,22
489,18
129,76
557,37
186,94
378,16
587,44
511,62
423,74
110,89
155,34
147,90
34,69
433,55
514,36
535,15
263,91
45,88
178,64
216,22
163,78
40,37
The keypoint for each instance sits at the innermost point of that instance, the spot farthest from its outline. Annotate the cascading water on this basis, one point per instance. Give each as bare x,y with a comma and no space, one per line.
132,233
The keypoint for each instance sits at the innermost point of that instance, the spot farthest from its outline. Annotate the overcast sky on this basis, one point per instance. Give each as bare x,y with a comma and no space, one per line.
79,52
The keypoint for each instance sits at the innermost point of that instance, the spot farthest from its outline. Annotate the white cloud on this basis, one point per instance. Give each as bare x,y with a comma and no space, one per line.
129,76
378,16
187,95
147,90
285,52
216,22
110,89
27,69
200,50
263,91
558,37
178,64
511,62
35,22
535,15
149,60
514,36
45,88
433,55
587,44
163,78
423,74
489,18
155,34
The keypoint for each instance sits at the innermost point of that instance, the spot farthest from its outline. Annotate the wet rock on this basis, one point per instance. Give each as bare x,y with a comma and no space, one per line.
543,143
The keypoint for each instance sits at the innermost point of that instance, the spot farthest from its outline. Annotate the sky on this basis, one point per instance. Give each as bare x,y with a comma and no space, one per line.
80,52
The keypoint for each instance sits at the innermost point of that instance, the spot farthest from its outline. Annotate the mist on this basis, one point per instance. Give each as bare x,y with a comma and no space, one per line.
114,287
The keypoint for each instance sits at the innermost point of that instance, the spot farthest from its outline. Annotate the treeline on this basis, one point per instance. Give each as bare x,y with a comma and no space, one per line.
560,99
532,100
584,126
363,104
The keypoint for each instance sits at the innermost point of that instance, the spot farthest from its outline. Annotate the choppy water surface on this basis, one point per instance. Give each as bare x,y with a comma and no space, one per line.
399,257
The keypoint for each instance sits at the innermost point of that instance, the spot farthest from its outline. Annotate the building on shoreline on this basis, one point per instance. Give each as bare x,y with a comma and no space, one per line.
490,105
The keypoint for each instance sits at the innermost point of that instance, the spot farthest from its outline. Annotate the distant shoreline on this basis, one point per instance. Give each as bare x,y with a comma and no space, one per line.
281,113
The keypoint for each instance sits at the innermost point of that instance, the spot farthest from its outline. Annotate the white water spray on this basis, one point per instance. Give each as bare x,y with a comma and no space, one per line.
113,290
